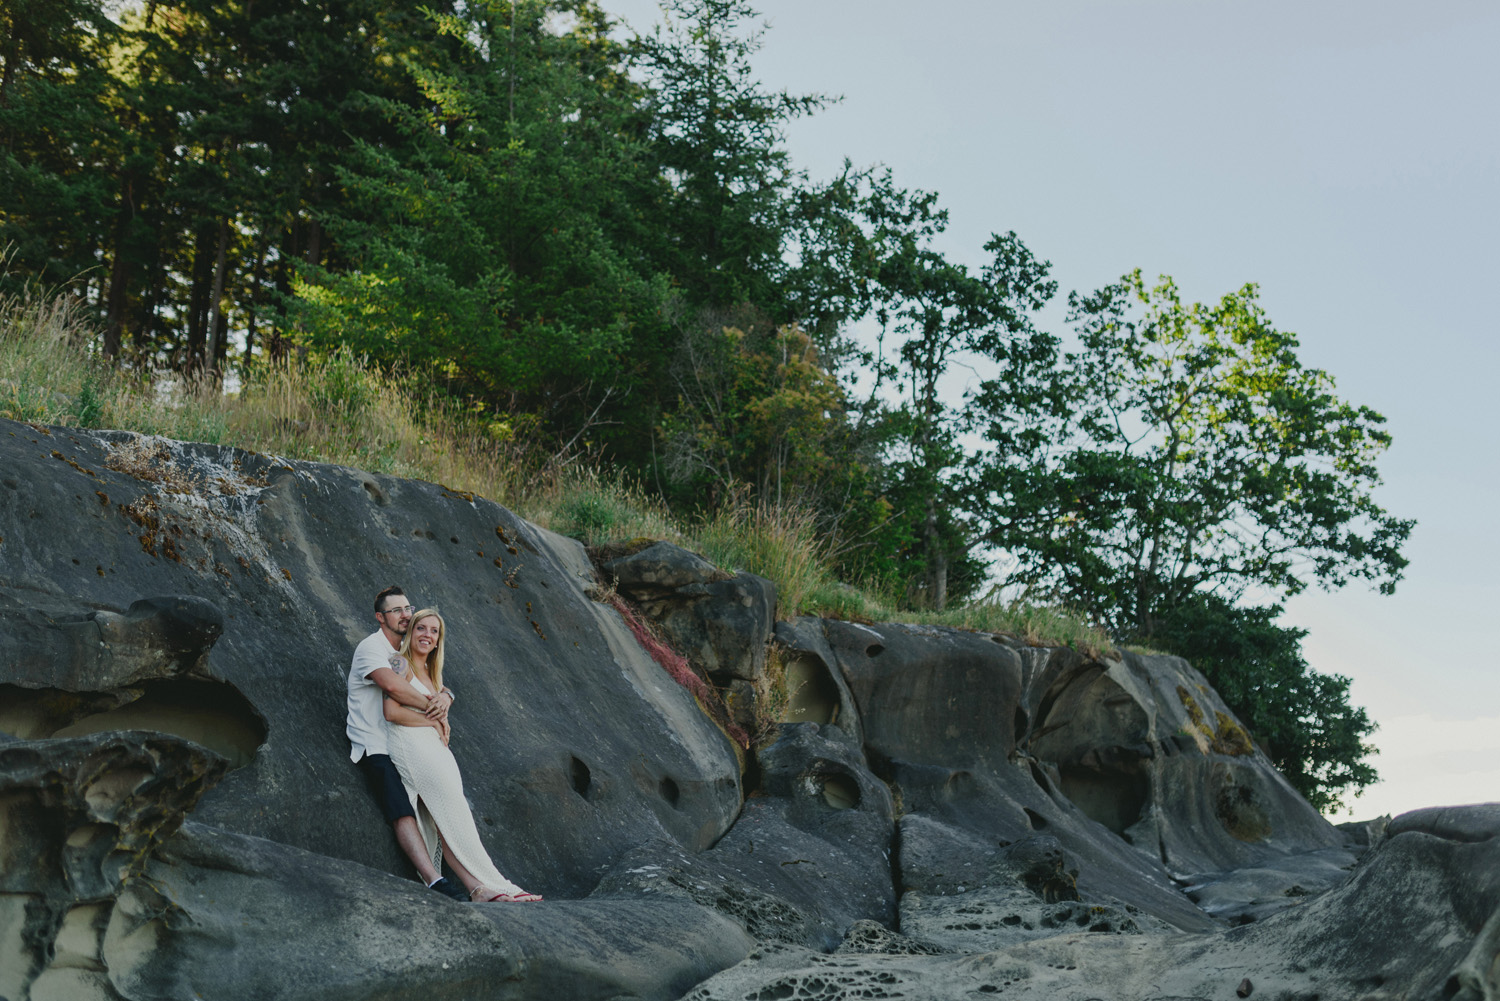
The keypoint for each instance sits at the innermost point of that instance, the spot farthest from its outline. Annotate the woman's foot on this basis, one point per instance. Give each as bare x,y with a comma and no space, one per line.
482,894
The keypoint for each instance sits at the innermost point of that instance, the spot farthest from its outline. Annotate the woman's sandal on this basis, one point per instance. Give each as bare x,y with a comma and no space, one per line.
484,895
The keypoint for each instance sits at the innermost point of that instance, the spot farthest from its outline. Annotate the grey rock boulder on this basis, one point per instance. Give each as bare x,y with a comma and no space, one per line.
807,859
66,646
721,622
1134,765
236,918
815,687
947,716
1418,919
574,745
79,820
1255,892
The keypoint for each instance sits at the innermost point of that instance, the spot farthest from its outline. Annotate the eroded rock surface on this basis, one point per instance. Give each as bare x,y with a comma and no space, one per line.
1417,920
79,820
574,744
945,814
721,621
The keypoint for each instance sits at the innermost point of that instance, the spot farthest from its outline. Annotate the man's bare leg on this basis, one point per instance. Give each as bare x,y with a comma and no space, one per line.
410,840
465,877
471,881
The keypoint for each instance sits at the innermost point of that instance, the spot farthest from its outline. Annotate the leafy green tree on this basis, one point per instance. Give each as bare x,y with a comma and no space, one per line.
1181,456
55,139
1301,718
496,241
942,315
757,409
722,206
1183,449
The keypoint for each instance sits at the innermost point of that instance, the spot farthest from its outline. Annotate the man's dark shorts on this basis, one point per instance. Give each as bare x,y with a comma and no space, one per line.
385,785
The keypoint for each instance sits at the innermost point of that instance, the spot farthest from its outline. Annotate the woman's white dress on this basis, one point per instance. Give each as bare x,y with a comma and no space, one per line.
430,774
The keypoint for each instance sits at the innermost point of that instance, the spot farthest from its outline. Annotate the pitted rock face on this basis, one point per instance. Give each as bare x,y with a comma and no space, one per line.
551,686
1405,925
59,644
721,622
79,819
946,814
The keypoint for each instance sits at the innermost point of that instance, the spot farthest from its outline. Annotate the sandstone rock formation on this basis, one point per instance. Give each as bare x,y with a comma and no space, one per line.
945,814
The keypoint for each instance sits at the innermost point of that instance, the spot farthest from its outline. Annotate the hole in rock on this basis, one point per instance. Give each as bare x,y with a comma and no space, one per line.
1038,822
87,834
1018,726
874,650
960,785
669,791
209,713
375,493
111,789
840,792
582,778
1115,798
1040,778
38,713
1090,718
812,695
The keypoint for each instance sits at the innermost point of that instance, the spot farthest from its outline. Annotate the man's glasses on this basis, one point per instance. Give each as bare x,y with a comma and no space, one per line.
408,609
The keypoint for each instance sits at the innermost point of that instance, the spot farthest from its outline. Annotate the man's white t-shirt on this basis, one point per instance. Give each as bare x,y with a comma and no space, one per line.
366,725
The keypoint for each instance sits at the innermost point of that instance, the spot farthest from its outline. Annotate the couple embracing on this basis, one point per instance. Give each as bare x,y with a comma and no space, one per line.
398,728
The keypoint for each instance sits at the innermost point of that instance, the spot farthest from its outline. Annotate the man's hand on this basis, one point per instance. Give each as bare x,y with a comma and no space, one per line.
437,706
395,687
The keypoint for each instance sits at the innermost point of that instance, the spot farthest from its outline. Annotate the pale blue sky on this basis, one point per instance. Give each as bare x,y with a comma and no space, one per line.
1345,156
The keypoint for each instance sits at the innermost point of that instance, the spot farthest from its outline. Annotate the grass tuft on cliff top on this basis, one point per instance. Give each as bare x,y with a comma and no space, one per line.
340,411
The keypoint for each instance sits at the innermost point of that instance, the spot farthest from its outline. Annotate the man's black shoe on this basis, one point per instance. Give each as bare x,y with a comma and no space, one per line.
449,888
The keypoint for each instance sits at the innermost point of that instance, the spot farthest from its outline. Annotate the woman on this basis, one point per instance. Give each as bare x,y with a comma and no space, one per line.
419,747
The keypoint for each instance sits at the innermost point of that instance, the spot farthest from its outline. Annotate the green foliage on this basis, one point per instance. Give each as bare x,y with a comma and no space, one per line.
474,241
344,390
943,316
1183,448
597,508
490,244
1303,719
88,407
724,210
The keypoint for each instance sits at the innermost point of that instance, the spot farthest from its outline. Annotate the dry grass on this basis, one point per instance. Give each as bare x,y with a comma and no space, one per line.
780,544
340,411
1038,625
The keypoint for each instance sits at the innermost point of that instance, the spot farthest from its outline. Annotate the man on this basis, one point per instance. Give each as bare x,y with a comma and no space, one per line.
372,676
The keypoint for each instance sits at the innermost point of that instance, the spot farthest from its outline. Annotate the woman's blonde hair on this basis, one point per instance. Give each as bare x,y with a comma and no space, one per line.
435,656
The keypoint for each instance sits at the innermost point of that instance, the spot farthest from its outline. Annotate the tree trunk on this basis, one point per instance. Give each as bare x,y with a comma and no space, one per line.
937,560
284,287
8,74
216,319
114,310
254,297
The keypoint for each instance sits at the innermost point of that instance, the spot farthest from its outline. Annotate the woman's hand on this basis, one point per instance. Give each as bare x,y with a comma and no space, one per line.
445,731
437,705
